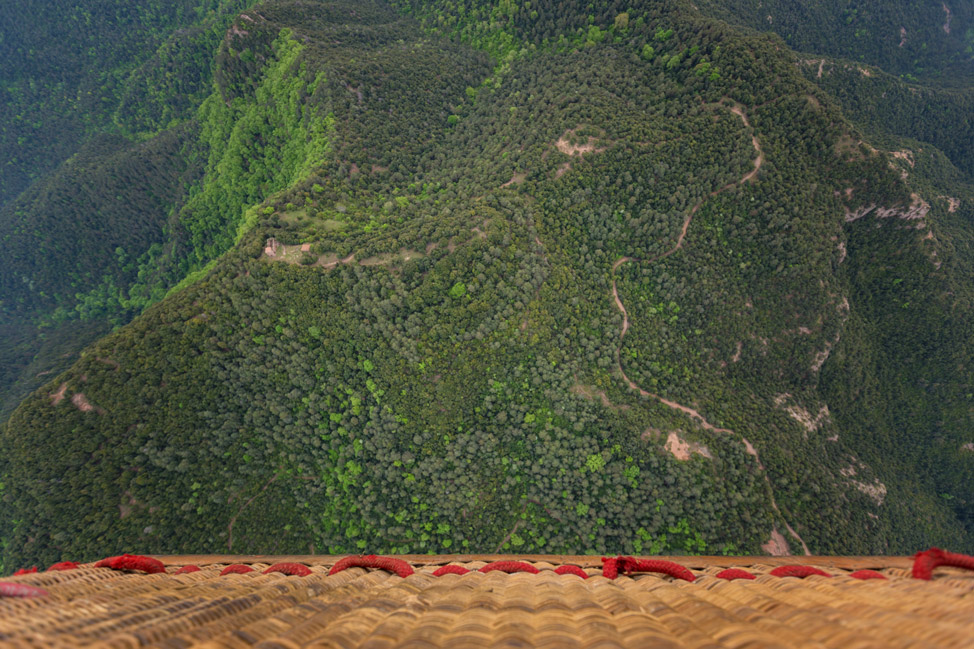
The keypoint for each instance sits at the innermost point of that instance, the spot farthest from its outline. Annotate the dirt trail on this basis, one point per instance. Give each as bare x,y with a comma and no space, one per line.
615,294
692,413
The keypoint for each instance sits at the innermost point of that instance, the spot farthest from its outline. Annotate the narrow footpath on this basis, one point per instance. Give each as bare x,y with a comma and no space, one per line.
693,414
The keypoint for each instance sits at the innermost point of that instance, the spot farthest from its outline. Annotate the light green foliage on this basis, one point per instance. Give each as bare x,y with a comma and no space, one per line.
296,138
595,462
595,35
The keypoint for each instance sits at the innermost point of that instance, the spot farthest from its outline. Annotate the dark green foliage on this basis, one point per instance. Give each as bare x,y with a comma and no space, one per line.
934,40
68,65
90,221
399,333
883,104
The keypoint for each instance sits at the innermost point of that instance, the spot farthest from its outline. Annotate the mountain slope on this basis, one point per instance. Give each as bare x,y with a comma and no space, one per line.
637,288
929,40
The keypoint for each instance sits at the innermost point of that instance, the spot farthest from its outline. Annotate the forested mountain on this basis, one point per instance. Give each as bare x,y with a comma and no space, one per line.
72,67
553,277
932,40
97,154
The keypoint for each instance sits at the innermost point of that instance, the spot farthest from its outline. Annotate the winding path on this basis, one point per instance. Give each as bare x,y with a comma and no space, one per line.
692,413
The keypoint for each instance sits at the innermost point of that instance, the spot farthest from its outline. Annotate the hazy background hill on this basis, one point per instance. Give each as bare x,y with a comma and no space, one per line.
550,277
932,40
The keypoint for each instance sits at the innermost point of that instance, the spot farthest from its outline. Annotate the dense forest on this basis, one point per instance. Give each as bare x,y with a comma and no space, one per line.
437,276
933,41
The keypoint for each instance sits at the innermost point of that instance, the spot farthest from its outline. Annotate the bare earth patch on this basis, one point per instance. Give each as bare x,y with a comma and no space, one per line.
651,434
566,145
682,449
902,36
906,155
952,203
876,490
390,257
81,403
822,356
801,415
516,179
947,22
57,397
968,447
737,353
330,260
777,546
917,209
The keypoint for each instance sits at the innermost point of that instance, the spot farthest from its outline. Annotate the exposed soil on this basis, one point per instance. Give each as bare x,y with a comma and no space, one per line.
566,146
801,415
516,179
333,263
906,155
946,22
81,403
276,251
682,449
777,546
58,397
876,490
390,257
917,209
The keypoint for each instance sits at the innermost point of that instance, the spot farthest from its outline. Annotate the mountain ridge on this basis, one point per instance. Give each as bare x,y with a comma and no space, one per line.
417,346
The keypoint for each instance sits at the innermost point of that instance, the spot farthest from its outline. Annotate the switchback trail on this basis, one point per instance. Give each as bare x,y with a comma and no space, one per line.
692,413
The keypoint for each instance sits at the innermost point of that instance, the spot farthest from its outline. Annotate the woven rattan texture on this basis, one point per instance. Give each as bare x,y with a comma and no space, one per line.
103,608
